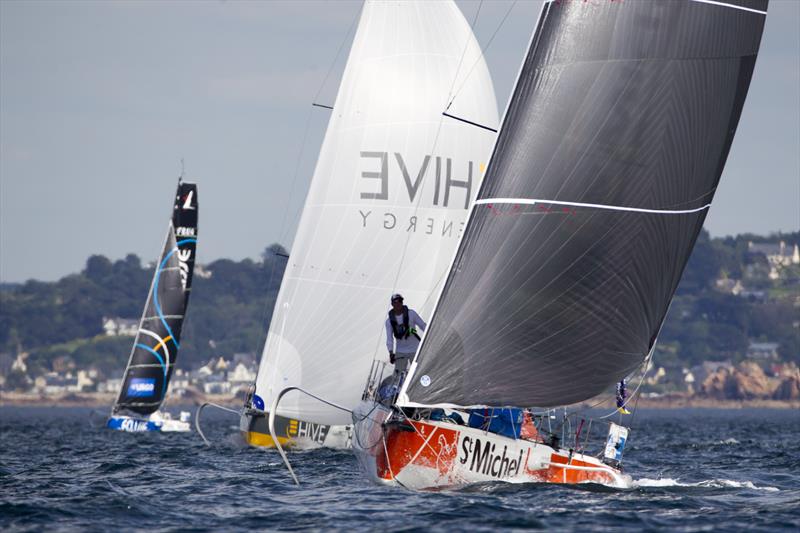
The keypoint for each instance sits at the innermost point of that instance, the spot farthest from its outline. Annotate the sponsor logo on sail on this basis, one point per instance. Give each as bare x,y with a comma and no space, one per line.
183,231
187,204
183,261
453,183
484,457
141,387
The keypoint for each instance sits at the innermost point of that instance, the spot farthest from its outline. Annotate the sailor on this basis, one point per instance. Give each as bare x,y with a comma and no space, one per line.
402,333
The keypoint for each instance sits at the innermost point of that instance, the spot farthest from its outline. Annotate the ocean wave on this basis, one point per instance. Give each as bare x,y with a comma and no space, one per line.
710,483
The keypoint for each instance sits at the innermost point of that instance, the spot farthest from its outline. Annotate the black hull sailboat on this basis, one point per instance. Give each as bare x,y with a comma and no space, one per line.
155,349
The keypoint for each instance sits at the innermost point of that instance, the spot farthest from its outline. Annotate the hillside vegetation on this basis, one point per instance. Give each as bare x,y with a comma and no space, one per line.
231,305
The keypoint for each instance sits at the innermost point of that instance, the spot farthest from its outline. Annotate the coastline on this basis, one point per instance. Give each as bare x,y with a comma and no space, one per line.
687,401
104,400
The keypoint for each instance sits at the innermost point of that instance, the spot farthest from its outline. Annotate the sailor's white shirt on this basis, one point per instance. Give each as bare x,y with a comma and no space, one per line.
409,344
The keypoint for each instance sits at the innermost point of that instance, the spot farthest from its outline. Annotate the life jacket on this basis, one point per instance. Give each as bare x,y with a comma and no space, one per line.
401,331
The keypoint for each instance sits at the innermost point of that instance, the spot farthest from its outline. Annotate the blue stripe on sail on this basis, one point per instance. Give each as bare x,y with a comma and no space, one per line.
155,289
161,362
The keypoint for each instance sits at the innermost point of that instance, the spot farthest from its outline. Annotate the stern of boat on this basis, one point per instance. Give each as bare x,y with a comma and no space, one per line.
291,433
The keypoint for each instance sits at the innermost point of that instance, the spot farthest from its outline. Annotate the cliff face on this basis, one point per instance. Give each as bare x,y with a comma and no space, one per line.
749,382
789,386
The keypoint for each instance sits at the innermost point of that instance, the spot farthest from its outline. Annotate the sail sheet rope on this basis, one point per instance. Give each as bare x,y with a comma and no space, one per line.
483,50
199,412
274,436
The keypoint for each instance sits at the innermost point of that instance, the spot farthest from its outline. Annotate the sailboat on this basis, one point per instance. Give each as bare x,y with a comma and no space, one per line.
155,349
385,208
604,169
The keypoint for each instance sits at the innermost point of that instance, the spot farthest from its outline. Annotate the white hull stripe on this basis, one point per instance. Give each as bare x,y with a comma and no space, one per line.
732,6
530,201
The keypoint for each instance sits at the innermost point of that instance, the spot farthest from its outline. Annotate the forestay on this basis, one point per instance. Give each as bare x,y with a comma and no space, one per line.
386,205
155,349
603,172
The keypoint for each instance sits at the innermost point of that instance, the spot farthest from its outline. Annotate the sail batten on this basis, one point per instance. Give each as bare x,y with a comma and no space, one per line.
601,177
534,201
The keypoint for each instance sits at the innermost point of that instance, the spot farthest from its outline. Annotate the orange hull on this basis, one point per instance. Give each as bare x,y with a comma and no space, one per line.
428,454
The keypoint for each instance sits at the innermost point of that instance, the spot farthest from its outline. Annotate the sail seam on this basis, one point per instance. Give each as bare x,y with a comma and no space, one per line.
343,284
531,201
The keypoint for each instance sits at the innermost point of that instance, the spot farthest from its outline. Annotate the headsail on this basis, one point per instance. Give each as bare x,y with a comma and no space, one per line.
603,172
387,201
155,349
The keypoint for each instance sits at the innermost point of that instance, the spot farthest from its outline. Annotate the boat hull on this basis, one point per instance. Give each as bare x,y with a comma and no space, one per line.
292,433
432,454
132,424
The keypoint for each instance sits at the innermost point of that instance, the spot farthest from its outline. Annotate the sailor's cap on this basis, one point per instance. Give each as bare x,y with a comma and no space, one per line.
396,296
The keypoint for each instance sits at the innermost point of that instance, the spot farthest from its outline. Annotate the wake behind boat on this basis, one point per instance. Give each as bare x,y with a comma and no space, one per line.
604,169
386,205
155,349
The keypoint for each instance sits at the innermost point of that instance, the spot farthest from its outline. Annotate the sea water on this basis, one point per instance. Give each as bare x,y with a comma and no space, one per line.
693,470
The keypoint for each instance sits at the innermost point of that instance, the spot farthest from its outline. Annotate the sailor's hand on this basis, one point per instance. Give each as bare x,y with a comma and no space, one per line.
391,357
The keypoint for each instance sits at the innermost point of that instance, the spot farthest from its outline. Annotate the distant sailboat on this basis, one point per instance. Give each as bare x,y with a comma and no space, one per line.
384,212
155,350
605,166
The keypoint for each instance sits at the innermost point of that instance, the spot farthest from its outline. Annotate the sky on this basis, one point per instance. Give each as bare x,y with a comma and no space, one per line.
100,102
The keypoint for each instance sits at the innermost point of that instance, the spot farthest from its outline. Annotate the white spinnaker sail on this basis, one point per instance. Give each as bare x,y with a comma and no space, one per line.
386,204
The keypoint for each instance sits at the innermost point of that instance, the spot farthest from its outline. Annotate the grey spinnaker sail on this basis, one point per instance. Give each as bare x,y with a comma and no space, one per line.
155,349
603,172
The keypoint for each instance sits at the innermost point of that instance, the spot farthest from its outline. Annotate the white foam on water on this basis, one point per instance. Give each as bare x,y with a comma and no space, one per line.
729,442
710,483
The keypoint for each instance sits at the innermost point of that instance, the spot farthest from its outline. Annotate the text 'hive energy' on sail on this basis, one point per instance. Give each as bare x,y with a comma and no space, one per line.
604,170
155,349
386,205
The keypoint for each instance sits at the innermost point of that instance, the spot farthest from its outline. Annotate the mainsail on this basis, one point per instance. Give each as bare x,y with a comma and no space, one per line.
386,205
155,349
603,172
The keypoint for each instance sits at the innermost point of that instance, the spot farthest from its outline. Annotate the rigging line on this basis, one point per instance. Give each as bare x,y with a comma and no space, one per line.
314,104
482,53
314,100
197,418
306,129
463,54
274,408
635,391
433,149
645,365
338,53
308,120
